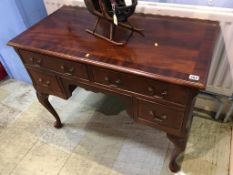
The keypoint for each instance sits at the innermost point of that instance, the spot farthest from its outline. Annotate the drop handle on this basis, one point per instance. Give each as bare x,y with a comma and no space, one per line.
62,67
67,72
151,90
113,83
38,61
47,83
106,79
156,117
71,70
164,94
35,61
31,59
118,82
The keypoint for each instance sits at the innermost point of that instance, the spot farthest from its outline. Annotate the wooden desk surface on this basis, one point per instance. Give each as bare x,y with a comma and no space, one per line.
185,46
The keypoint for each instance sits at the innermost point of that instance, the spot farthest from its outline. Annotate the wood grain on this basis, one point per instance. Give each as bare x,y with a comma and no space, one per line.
183,46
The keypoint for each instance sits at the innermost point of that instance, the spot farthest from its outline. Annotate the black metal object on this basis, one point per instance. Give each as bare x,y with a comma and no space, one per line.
117,13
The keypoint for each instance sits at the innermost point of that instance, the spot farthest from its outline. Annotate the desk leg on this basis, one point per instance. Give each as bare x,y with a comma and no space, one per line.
43,99
180,144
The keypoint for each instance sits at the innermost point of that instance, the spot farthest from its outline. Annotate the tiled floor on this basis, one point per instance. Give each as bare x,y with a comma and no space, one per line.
99,138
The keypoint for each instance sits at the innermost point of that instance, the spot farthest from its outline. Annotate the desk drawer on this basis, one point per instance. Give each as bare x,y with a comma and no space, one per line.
144,86
67,68
45,82
158,114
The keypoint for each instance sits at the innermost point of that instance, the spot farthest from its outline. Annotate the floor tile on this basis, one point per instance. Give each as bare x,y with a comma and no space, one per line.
35,120
96,152
3,93
7,115
80,165
66,138
14,146
42,159
21,97
13,85
71,113
208,150
100,143
141,154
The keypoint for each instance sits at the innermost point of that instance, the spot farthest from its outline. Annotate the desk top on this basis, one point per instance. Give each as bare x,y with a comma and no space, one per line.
183,46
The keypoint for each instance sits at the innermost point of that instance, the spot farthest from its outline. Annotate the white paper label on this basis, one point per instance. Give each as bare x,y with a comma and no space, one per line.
194,77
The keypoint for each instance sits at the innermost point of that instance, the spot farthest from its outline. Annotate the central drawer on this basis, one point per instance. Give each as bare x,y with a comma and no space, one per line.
65,67
145,86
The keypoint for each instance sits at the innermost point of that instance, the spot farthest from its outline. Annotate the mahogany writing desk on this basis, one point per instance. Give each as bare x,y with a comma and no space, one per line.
157,75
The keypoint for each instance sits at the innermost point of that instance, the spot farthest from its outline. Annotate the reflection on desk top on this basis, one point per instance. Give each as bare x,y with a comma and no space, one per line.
172,50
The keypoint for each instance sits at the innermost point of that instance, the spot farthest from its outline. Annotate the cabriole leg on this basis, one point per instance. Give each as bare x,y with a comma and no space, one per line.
43,99
180,144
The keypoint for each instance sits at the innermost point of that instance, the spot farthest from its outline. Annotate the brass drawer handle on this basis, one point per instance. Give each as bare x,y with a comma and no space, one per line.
62,67
118,82
68,72
106,78
156,117
36,62
114,84
46,84
151,90
164,94
40,80
71,70
31,59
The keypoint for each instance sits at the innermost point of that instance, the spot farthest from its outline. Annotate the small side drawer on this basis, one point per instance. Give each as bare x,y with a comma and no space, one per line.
67,68
158,114
31,58
45,82
145,86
